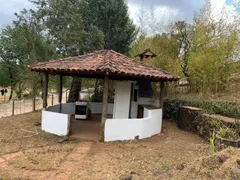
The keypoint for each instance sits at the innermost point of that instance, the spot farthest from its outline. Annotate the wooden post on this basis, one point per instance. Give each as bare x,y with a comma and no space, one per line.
34,104
45,90
66,96
52,99
161,96
13,108
104,106
60,92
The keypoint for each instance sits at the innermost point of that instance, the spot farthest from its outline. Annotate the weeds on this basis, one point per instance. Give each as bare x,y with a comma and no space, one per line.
212,143
172,104
227,133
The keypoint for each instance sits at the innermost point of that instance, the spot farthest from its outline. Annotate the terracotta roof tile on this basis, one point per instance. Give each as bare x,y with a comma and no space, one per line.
100,62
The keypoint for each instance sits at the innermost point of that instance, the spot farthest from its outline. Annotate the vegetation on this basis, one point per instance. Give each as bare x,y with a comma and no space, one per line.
205,53
44,33
212,144
228,133
224,108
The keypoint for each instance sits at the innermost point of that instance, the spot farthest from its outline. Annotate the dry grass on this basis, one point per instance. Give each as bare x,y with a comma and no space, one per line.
155,158
151,158
47,160
19,133
215,167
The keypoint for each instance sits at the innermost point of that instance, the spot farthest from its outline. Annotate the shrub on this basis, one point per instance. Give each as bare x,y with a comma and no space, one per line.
227,133
172,104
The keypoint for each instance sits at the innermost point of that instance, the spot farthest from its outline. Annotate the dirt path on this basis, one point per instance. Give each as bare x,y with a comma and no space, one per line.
64,170
76,156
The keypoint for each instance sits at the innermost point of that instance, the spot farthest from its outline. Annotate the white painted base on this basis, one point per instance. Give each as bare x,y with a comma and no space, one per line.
55,123
129,129
115,129
58,123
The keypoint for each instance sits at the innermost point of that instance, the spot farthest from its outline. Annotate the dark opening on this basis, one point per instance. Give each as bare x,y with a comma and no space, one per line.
81,110
135,94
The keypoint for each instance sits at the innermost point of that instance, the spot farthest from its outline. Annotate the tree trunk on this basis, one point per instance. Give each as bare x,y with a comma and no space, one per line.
74,91
11,93
11,79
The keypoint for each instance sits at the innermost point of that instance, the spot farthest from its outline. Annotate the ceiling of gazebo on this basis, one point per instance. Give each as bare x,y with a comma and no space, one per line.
98,63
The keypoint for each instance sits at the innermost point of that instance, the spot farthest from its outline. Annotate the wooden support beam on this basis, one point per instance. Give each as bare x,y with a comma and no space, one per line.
45,89
60,92
60,89
34,104
161,95
104,107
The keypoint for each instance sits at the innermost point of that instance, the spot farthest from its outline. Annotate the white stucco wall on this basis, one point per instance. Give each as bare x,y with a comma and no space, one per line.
96,108
58,123
122,100
134,109
128,129
55,123
69,108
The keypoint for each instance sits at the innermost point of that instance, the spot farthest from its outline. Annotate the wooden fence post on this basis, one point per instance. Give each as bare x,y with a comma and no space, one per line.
13,108
66,96
34,104
52,99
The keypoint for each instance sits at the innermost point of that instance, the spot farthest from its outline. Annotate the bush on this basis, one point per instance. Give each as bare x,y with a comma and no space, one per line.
227,133
171,106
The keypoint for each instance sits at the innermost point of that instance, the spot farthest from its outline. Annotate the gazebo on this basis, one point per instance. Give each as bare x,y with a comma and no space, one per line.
110,65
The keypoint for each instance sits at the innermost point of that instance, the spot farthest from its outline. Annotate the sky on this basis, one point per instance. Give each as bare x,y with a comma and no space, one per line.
182,9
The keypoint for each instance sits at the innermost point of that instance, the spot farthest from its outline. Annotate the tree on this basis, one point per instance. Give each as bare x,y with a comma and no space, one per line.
63,21
214,46
20,45
112,18
184,32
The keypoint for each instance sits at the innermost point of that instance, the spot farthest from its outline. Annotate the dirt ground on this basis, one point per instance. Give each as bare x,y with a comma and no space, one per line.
28,153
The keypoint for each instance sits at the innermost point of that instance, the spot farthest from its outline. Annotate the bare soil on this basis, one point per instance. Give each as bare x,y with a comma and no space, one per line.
151,158
19,133
173,154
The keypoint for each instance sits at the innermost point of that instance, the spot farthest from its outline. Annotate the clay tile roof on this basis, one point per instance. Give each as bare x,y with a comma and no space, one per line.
99,62
146,52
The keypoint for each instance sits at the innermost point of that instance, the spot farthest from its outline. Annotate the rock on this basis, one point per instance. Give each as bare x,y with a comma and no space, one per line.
66,138
180,167
134,173
238,163
128,177
222,158
37,124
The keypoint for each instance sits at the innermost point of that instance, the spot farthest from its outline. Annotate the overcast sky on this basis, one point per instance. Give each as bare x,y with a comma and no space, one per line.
182,9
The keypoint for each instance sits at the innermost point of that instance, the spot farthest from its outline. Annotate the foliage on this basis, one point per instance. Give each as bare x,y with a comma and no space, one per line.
205,53
112,18
227,133
20,45
172,104
166,49
214,46
212,143
64,23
